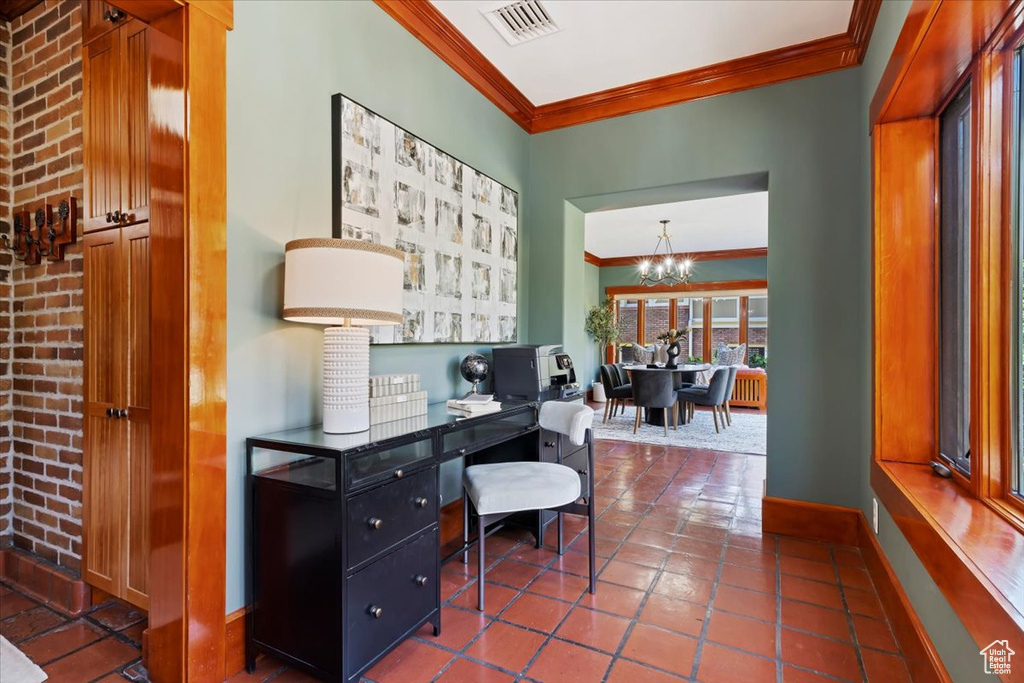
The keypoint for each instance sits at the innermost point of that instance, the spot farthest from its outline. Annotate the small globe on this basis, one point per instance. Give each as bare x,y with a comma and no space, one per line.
474,368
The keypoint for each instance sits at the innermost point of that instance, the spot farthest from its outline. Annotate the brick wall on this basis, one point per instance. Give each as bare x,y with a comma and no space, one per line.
46,148
6,508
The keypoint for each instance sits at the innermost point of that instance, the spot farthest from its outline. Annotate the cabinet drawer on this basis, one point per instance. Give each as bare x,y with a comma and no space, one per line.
384,516
390,597
364,469
477,433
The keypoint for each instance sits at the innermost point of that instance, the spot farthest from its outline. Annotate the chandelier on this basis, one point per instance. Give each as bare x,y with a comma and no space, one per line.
664,269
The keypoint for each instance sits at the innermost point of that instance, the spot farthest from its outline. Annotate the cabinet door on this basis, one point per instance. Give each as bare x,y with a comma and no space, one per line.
135,246
134,98
102,151
104,480
99,18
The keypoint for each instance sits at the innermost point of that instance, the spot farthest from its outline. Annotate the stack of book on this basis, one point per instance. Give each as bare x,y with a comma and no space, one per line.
396,397
473,405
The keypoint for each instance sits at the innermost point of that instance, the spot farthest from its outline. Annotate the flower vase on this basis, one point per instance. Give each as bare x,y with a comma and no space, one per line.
673,353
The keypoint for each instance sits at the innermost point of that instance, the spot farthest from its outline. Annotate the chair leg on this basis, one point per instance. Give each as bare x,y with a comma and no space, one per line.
714,414
592,549
664,419
561,527
481,533
607,403
636,421
465,527
728,413
675,416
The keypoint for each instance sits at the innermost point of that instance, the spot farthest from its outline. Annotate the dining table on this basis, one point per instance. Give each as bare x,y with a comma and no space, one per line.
685,373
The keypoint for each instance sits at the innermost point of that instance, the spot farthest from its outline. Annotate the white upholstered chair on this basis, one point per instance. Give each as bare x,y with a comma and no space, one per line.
501,489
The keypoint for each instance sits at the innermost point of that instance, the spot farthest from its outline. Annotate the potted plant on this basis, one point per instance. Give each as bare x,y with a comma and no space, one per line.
601,326
672,338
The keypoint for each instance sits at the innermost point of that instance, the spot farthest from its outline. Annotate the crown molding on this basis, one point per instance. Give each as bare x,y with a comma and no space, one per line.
433,29
12,9
812,58
719,255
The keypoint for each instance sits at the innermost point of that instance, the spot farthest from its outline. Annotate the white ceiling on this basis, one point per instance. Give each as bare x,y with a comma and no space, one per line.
735,222
608,43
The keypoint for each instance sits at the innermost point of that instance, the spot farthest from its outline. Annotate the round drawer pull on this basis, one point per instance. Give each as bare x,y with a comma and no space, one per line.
399,474
549,444
375,523
462,451
421,502
420,580
375,611
581,471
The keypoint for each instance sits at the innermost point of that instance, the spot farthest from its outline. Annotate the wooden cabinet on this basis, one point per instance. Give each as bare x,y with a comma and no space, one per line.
115,122
115,140
100,18
117,400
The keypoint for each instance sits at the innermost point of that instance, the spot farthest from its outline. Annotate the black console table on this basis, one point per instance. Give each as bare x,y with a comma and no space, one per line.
344,552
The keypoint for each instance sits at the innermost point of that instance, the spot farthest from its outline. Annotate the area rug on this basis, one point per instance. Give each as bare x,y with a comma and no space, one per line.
15,667
748,433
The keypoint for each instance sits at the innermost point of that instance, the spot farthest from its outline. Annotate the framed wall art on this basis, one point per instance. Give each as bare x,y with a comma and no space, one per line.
458,227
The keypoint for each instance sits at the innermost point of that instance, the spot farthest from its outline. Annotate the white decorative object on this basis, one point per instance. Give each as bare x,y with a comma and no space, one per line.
344,283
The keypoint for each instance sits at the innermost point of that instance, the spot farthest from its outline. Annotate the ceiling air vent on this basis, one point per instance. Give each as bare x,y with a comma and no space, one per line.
521,21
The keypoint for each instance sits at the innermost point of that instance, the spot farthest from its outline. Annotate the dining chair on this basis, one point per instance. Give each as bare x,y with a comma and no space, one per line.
616,392
501,489
654,390
713,396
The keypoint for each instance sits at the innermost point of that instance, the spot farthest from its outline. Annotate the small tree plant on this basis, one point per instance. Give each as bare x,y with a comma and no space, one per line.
601,325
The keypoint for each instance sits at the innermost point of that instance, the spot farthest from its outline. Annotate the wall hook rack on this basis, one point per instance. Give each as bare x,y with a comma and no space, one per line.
43,234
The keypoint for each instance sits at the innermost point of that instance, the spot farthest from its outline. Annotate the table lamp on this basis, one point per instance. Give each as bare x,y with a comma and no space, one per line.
344,284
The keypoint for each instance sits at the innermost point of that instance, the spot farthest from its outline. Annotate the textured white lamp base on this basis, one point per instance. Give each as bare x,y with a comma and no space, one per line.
346,380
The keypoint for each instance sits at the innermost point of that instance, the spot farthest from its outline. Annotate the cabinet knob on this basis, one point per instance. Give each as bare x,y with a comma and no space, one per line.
375,612
122,413
421,502
462,451
113,16
110,412
583,472
399,474
375,523
549,444
420,580
110,217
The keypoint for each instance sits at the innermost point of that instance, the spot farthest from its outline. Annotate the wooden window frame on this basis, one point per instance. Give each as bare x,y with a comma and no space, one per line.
723,287
941,46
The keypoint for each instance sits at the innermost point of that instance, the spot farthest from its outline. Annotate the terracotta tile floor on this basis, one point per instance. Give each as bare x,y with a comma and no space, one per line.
689,589
97,646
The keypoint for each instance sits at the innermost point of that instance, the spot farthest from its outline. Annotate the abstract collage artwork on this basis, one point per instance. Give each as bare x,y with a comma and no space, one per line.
458,228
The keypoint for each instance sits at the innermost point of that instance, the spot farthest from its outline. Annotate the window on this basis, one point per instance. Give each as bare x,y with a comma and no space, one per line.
954,281
684,321
1017,272
725,323
656,319
628,310
757,331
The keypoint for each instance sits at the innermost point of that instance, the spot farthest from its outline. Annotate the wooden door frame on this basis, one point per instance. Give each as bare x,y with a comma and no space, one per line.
188,215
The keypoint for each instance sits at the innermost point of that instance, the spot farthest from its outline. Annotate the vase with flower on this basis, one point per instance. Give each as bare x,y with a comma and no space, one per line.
672,338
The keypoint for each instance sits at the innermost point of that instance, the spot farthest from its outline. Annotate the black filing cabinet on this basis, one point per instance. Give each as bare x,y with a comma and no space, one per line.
343,533
344,550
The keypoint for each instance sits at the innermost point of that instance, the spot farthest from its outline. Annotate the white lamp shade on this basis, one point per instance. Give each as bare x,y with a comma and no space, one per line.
335,281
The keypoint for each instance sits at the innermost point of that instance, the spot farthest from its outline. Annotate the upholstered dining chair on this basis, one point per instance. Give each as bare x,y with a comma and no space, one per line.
655,390
733,369
501,489
616,391
713,396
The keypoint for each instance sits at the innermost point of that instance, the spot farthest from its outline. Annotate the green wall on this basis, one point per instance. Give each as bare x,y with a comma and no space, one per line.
954,644
703,271
806,135
285,60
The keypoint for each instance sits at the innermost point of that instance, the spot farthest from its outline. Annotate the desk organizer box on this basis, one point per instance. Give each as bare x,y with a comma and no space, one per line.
396,397
393,385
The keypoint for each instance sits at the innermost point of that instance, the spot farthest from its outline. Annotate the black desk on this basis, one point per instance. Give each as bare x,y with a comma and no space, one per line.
343,529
